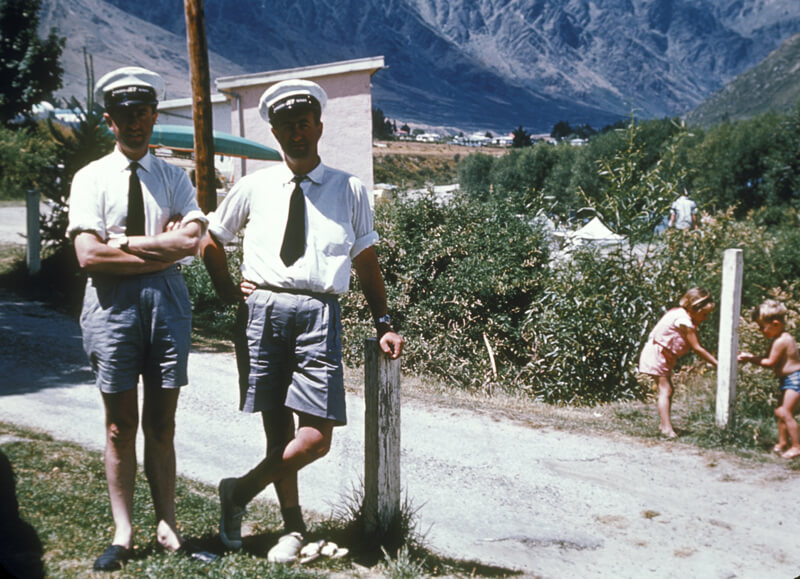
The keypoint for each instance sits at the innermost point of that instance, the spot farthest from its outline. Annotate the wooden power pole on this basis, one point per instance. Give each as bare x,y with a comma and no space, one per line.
201,105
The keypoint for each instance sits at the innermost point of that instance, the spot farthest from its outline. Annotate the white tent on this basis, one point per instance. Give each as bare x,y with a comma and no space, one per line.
594,232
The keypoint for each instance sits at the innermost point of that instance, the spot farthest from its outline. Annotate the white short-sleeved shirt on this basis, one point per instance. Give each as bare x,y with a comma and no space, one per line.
683,208
338,227
99,196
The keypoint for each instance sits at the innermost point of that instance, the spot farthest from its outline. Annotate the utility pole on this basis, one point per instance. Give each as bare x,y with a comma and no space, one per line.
201,105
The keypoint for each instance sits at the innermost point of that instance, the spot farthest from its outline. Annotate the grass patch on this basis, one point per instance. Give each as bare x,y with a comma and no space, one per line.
62,496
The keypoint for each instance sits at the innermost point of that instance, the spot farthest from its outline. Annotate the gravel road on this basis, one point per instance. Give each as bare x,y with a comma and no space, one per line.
543,502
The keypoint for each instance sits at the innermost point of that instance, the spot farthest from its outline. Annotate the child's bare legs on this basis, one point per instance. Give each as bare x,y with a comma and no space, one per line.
664,384
787,425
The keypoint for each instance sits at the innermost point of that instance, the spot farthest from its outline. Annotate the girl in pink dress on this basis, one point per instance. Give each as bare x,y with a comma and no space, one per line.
673,336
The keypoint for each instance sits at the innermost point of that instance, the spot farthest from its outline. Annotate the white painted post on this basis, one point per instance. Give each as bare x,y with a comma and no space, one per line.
382,439
730,308
34,235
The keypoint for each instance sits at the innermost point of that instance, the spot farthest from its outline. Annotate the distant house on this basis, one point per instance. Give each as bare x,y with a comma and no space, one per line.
347,136
428,138
473,140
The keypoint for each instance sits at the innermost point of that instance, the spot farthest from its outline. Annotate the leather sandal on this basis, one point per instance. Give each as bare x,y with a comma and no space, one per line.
112,558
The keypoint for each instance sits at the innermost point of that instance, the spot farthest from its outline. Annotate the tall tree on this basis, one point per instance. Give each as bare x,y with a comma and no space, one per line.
382,128
30,70
521,138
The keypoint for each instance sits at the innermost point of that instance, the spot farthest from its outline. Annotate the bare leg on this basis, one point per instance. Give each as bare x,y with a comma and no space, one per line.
311,442
785,414
122,421
783,435
158,425
664,384
279,429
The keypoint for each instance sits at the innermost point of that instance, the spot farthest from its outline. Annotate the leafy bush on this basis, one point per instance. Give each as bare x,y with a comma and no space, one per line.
210,316
460,277
586,330
27,161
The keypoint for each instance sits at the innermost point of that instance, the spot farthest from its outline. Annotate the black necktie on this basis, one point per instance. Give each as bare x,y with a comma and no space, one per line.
294,238
135,223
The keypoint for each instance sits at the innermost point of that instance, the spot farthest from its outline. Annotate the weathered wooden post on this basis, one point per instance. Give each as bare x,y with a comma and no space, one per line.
382,439
32,258
730,308
205,179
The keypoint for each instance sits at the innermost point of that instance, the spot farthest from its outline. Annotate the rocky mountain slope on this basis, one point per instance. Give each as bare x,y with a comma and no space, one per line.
115,38
776,82
476,64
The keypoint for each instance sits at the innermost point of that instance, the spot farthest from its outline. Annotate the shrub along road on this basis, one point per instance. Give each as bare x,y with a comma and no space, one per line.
545,502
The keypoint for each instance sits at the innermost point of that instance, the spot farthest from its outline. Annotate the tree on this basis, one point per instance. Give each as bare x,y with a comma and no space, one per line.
382,127
30,71
521,138
561,130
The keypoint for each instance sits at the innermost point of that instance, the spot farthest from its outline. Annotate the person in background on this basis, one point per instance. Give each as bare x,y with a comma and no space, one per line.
784,360
305,225
132,218
683,213
672,337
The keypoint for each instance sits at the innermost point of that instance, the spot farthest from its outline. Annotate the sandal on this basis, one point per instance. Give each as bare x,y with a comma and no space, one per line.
321,548
287,549
112,558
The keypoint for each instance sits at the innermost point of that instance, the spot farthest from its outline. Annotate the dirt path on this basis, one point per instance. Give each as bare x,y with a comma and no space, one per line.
544,502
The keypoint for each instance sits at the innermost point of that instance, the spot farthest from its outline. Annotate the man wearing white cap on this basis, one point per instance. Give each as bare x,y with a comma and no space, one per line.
132,218
305,225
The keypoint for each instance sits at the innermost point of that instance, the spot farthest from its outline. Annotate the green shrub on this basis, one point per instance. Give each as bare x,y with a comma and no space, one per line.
27,161
459,276
586,331
210,316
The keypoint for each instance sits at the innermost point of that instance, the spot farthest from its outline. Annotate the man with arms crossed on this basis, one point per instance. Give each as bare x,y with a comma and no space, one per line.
304,225
132,217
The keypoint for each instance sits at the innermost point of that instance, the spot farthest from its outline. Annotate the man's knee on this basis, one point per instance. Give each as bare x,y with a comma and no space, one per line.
317,442
121,432
321,447
159,429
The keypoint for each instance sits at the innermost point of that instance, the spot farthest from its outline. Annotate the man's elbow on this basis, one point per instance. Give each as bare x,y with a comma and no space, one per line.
192,244
190,241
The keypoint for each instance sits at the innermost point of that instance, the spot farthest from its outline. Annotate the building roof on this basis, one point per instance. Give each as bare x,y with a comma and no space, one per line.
188,101
372,65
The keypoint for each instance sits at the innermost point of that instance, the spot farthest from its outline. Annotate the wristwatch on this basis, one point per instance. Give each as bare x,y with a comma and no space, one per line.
123,243
383,324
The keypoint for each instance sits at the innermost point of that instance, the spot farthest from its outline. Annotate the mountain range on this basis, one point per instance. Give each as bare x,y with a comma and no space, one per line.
471,64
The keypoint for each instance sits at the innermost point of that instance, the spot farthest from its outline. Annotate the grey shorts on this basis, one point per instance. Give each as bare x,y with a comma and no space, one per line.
289,353
137,325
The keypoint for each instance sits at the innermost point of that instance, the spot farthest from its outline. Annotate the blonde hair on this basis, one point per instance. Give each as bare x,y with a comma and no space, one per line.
696,299
769,311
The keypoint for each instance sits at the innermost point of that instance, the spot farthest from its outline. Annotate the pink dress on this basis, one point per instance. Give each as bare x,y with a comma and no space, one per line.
665,344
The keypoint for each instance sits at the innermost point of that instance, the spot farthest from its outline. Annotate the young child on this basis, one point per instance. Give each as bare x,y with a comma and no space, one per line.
784,360
672,337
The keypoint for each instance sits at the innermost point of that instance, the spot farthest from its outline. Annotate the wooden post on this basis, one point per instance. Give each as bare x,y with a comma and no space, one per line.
730,308
32,258
201,105
382,439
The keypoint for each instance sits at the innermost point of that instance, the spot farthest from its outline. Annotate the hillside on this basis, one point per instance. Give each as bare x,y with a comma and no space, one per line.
115,38
773,85
459,63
